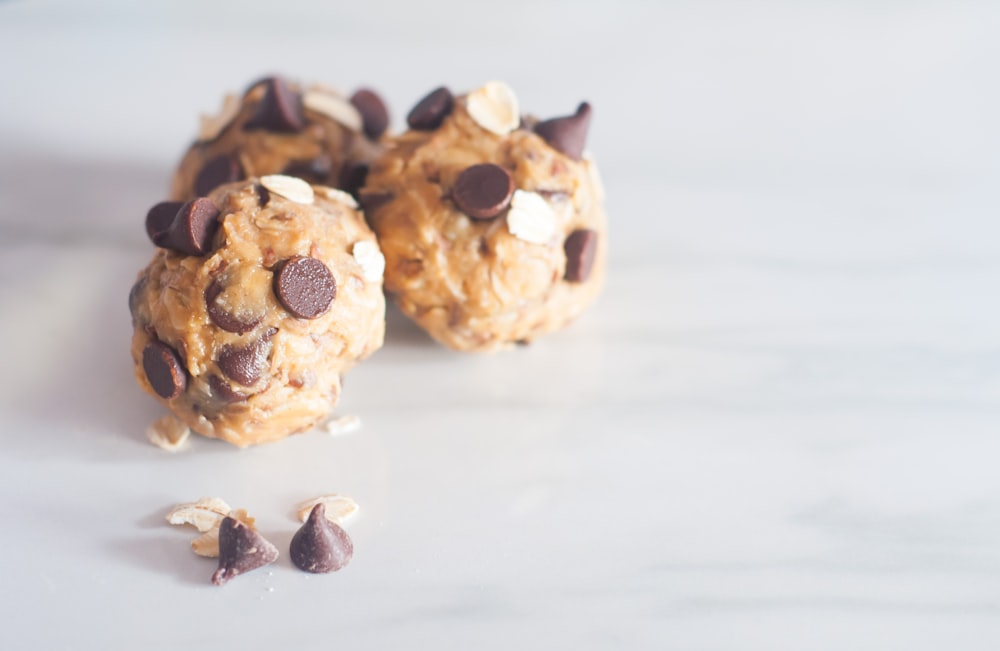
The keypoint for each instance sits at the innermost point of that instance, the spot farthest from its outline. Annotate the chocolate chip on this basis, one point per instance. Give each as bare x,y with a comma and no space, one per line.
320,546
263,194
316,169
580,246
164,370
159,218
193,228
352,177
374,115
217,171
305,287
431,111
241,549
223,392
245,364
483,191
224,318
372,201
279,110
567,134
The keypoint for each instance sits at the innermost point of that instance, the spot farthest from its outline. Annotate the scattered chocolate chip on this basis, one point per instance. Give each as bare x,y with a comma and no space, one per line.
567,134
316,169
279,110
217,171
222,317
431,111
320,546
352,177
223,392
372,201
245,364
163,370
305,287
159,218
193,228
241,549
580,246
483,191
374,115
263,194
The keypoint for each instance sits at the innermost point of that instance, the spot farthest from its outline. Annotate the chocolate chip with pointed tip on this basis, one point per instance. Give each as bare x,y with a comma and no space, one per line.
580,247
225,318
374,114
159,218
320,546
279,110
431,111
217,171
241,550
305,287
193,228
352,177
164,370
483,191
567,134
245,364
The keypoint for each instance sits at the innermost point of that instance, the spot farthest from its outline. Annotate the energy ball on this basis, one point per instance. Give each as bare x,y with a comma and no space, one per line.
492,225
260,297
278,127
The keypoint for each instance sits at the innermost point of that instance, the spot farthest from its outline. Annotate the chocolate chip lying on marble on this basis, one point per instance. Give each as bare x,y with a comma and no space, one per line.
245,364
159,218
374,115
193,228
164,370
431,111
217,171
580,247
279,110
241,549
483,191
320,546
352,177
316,169
567,134
305,287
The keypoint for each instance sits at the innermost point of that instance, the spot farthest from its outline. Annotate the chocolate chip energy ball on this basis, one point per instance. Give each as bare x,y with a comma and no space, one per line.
261,296
492,226
278,127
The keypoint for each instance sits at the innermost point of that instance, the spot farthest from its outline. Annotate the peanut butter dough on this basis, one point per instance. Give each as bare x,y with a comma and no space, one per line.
260,298
492,226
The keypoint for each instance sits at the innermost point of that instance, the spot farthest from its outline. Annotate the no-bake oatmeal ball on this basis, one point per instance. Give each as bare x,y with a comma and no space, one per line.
260,297
492,225
279,127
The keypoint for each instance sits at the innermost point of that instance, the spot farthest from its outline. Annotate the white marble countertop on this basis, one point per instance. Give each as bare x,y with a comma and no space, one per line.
778,429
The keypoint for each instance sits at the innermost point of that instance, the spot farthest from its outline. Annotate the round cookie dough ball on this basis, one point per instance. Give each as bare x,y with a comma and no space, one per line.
492,225
278,127
260,298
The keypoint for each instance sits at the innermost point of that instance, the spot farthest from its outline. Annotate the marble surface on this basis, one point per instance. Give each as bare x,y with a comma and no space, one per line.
778,429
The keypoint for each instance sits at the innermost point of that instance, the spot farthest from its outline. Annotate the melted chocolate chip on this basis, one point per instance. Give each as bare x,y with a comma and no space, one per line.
279,110
580,247
241,549
159,218
222,317
320,546
567,134
217,171
374,115
431,111
193,228
305,287
164,370
483,191
245,364
316,169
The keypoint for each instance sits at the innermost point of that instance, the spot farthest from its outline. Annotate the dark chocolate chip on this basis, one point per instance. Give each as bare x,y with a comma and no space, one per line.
316,169
431,111
305,287
580,246
220,316
245,364
352,177
483,191
159,218
320,546
372,201
567,134
222,391
193,228
279,110
241,549
374,115
263,194
217,171
164,370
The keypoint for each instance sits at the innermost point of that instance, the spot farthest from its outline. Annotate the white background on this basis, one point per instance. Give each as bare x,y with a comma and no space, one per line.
778,428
